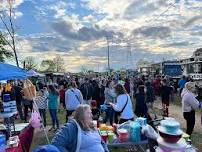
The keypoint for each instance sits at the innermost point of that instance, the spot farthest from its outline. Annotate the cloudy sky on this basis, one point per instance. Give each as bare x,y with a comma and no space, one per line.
78,30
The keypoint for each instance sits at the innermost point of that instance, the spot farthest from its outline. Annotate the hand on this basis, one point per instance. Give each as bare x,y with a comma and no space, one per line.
111,104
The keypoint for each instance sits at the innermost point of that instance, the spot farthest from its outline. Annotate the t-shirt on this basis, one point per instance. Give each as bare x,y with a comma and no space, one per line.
41,102
182,83
91,141
53,101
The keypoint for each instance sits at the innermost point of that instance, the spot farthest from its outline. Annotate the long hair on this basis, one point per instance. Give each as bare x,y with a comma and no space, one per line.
108,83
53,90
141,89
119,89
79,116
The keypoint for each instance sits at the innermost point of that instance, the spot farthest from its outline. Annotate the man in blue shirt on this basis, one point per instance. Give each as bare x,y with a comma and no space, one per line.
181,83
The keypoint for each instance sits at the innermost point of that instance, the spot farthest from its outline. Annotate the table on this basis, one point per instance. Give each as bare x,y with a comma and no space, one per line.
18,128
9,119
25,137
15,149
138,146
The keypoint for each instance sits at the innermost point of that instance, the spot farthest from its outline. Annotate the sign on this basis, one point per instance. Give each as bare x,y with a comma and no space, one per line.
196,76
172,70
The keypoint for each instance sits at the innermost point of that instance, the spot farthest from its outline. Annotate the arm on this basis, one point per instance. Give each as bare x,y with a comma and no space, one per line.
121,100
63,139
192,101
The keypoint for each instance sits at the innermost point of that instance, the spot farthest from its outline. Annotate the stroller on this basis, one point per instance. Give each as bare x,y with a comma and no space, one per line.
95,109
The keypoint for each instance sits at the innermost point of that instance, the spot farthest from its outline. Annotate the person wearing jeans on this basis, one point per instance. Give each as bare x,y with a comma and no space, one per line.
53,114
53,104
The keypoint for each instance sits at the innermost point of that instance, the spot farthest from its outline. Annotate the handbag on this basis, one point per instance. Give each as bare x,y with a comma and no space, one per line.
35,120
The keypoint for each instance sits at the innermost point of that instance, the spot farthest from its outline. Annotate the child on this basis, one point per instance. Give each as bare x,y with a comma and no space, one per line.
41,101
141,107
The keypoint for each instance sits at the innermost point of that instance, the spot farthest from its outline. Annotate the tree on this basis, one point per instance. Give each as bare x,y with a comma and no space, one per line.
84,69
30,63
48,65
55,65
6,17
59,63
143,62
4,53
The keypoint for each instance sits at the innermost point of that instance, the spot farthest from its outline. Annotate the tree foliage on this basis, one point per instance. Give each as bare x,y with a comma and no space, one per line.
7,34
47,65
55,65
30,63
4,53
59,63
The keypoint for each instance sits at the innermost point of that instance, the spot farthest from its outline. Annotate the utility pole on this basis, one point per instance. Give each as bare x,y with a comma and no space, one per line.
108,53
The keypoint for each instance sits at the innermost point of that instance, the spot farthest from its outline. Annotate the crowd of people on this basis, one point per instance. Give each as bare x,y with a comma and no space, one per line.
124,98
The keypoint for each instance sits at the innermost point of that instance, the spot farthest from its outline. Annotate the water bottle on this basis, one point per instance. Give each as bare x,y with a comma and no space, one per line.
2,143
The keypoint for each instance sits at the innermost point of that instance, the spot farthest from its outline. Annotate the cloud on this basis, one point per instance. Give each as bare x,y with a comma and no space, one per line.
196,33
89,18
178,44
78,31
4,5
18,14
139,7
160,32
83,34
193,20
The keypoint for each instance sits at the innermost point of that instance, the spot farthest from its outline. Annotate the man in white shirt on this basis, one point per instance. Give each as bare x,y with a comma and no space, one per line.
73,98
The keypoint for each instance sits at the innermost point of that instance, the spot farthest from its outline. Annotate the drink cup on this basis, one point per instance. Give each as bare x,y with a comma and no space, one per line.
110,137
104,137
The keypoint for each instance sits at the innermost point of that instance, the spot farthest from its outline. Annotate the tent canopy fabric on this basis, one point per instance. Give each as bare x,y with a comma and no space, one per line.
32,73
10,72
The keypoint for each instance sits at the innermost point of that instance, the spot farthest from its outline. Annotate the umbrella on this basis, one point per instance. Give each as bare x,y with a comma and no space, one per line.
32,73
9,72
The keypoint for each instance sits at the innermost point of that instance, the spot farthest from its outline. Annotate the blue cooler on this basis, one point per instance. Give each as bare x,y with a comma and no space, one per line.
2,143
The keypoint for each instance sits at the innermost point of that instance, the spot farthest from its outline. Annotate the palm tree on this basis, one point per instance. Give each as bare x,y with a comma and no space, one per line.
4,53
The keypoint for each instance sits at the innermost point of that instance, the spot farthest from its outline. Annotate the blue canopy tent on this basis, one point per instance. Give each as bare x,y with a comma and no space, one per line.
10,72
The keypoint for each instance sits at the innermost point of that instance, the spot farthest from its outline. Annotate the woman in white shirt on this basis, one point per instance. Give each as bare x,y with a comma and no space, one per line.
123,104
189,105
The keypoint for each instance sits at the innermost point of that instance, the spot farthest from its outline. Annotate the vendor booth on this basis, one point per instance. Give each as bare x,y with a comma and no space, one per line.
15,137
